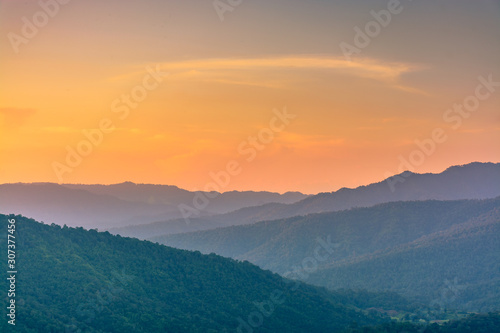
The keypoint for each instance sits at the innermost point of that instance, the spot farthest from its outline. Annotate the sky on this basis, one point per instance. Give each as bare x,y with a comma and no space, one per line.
273,95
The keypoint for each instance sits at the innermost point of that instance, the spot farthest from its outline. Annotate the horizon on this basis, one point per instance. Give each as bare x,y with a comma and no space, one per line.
263,190
316,97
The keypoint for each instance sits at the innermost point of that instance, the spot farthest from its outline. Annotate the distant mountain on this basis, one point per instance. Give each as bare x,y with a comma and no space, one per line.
241,216
73,280
172,195
74,207
106,206
471,181
454,268
376,248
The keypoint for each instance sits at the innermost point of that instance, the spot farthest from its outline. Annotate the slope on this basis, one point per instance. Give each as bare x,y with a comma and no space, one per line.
71,279
278,244
463,262
292,244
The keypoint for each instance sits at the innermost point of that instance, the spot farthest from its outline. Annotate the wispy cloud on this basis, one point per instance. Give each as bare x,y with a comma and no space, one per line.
229,70
249,83
411,90
368,67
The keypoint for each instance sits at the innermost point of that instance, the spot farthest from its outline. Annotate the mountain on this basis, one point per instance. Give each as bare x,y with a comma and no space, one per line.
106,206
74,207
401,246
463,262
219,203
241,216
471,181
74,280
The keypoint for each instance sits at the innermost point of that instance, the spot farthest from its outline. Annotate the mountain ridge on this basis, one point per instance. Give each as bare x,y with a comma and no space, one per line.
99,282
106,206
470,181
364,236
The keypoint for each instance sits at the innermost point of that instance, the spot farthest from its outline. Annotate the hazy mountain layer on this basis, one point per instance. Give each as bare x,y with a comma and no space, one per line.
106,206
218,203
471,181
365,247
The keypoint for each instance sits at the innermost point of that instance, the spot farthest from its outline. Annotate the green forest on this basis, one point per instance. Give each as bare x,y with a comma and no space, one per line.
77,280
445,254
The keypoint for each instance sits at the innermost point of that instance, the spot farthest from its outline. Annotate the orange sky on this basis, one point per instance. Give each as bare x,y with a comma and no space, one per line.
353,119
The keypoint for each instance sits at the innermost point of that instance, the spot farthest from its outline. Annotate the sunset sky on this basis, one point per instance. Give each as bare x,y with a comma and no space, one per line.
223,81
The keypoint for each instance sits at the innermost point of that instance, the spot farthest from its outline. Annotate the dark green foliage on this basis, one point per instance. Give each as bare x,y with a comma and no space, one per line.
71,279
456,269
413,248
386,300
476,323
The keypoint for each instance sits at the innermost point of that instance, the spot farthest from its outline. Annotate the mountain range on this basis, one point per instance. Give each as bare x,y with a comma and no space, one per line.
76,280
106,206
471,181
420,249
403,247
146,210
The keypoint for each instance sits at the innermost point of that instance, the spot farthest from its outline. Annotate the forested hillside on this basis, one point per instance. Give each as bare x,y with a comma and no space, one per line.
408,247
476,323
71,279
458,268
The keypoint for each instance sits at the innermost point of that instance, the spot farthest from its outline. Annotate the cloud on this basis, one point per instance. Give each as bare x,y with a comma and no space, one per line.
249,83
368,68
16,117
366,65
229,70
